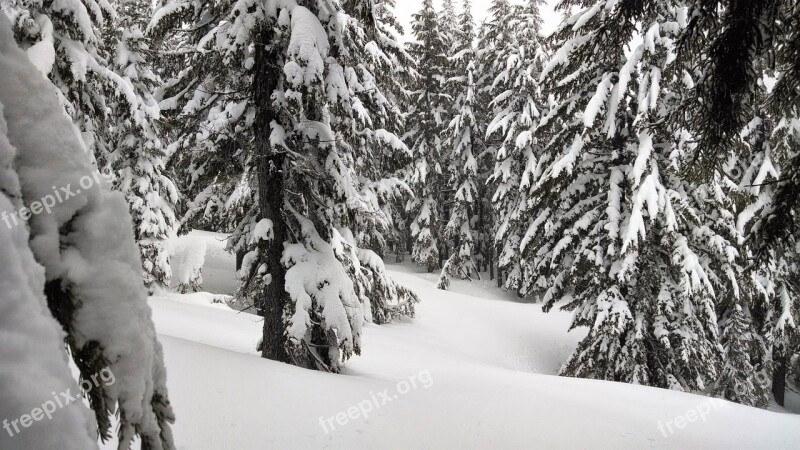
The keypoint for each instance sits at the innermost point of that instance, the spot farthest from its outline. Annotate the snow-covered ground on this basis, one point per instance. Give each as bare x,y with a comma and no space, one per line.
475,369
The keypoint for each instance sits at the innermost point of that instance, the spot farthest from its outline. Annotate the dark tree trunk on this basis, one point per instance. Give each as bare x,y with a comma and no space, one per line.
490,261
496,258
779,376
240,259
270,171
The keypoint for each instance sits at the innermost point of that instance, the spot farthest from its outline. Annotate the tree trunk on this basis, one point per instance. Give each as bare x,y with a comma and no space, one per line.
240,259
779,376
270,171
490,261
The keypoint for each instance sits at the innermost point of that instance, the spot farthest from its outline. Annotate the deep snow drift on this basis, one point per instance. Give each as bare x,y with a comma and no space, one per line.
473,370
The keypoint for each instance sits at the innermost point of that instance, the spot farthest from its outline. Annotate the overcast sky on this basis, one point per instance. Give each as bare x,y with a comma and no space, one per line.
405,8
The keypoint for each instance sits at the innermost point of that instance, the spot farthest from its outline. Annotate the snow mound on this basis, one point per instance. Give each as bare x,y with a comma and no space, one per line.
186,263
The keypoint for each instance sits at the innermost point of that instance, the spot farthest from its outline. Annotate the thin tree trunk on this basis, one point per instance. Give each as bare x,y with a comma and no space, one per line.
490,261
779,376
270,171
240,259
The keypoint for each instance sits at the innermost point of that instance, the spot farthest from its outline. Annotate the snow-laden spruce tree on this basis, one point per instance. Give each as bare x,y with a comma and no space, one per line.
517,107
63,40
784,51
620,237
209,114
395,85
138,154
740,343
86,265
463,147
723,42
313,116
430,109
493,34
723,49
24,317
97,57
367,120
770,141
768,32
370,119
450,29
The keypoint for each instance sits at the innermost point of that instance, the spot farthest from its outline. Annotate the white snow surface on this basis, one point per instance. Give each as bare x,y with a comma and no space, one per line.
491,361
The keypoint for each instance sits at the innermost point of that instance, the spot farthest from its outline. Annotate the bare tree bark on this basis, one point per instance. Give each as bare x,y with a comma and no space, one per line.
270,172
779,376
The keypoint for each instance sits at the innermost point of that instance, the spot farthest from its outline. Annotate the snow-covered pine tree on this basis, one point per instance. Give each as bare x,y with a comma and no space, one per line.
723,48
90,269
309,111
138,153
774,232
779,218
370,119
493,35
517,105
782,318
209,113
367,121
771,141
96,57
744,350
740,342
395,85
619,235
425,132
450,28
63,40
24,317
464,146
729,40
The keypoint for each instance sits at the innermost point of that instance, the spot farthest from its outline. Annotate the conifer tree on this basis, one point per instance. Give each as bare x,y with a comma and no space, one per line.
64,41
740,342
450,28
464,144
98,62
87,265
396,85
517,110
614,230
425,133
309,114
494,34
770,143
209,115
138,155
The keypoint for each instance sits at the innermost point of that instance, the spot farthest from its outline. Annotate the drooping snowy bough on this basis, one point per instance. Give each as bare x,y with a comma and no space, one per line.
82,237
